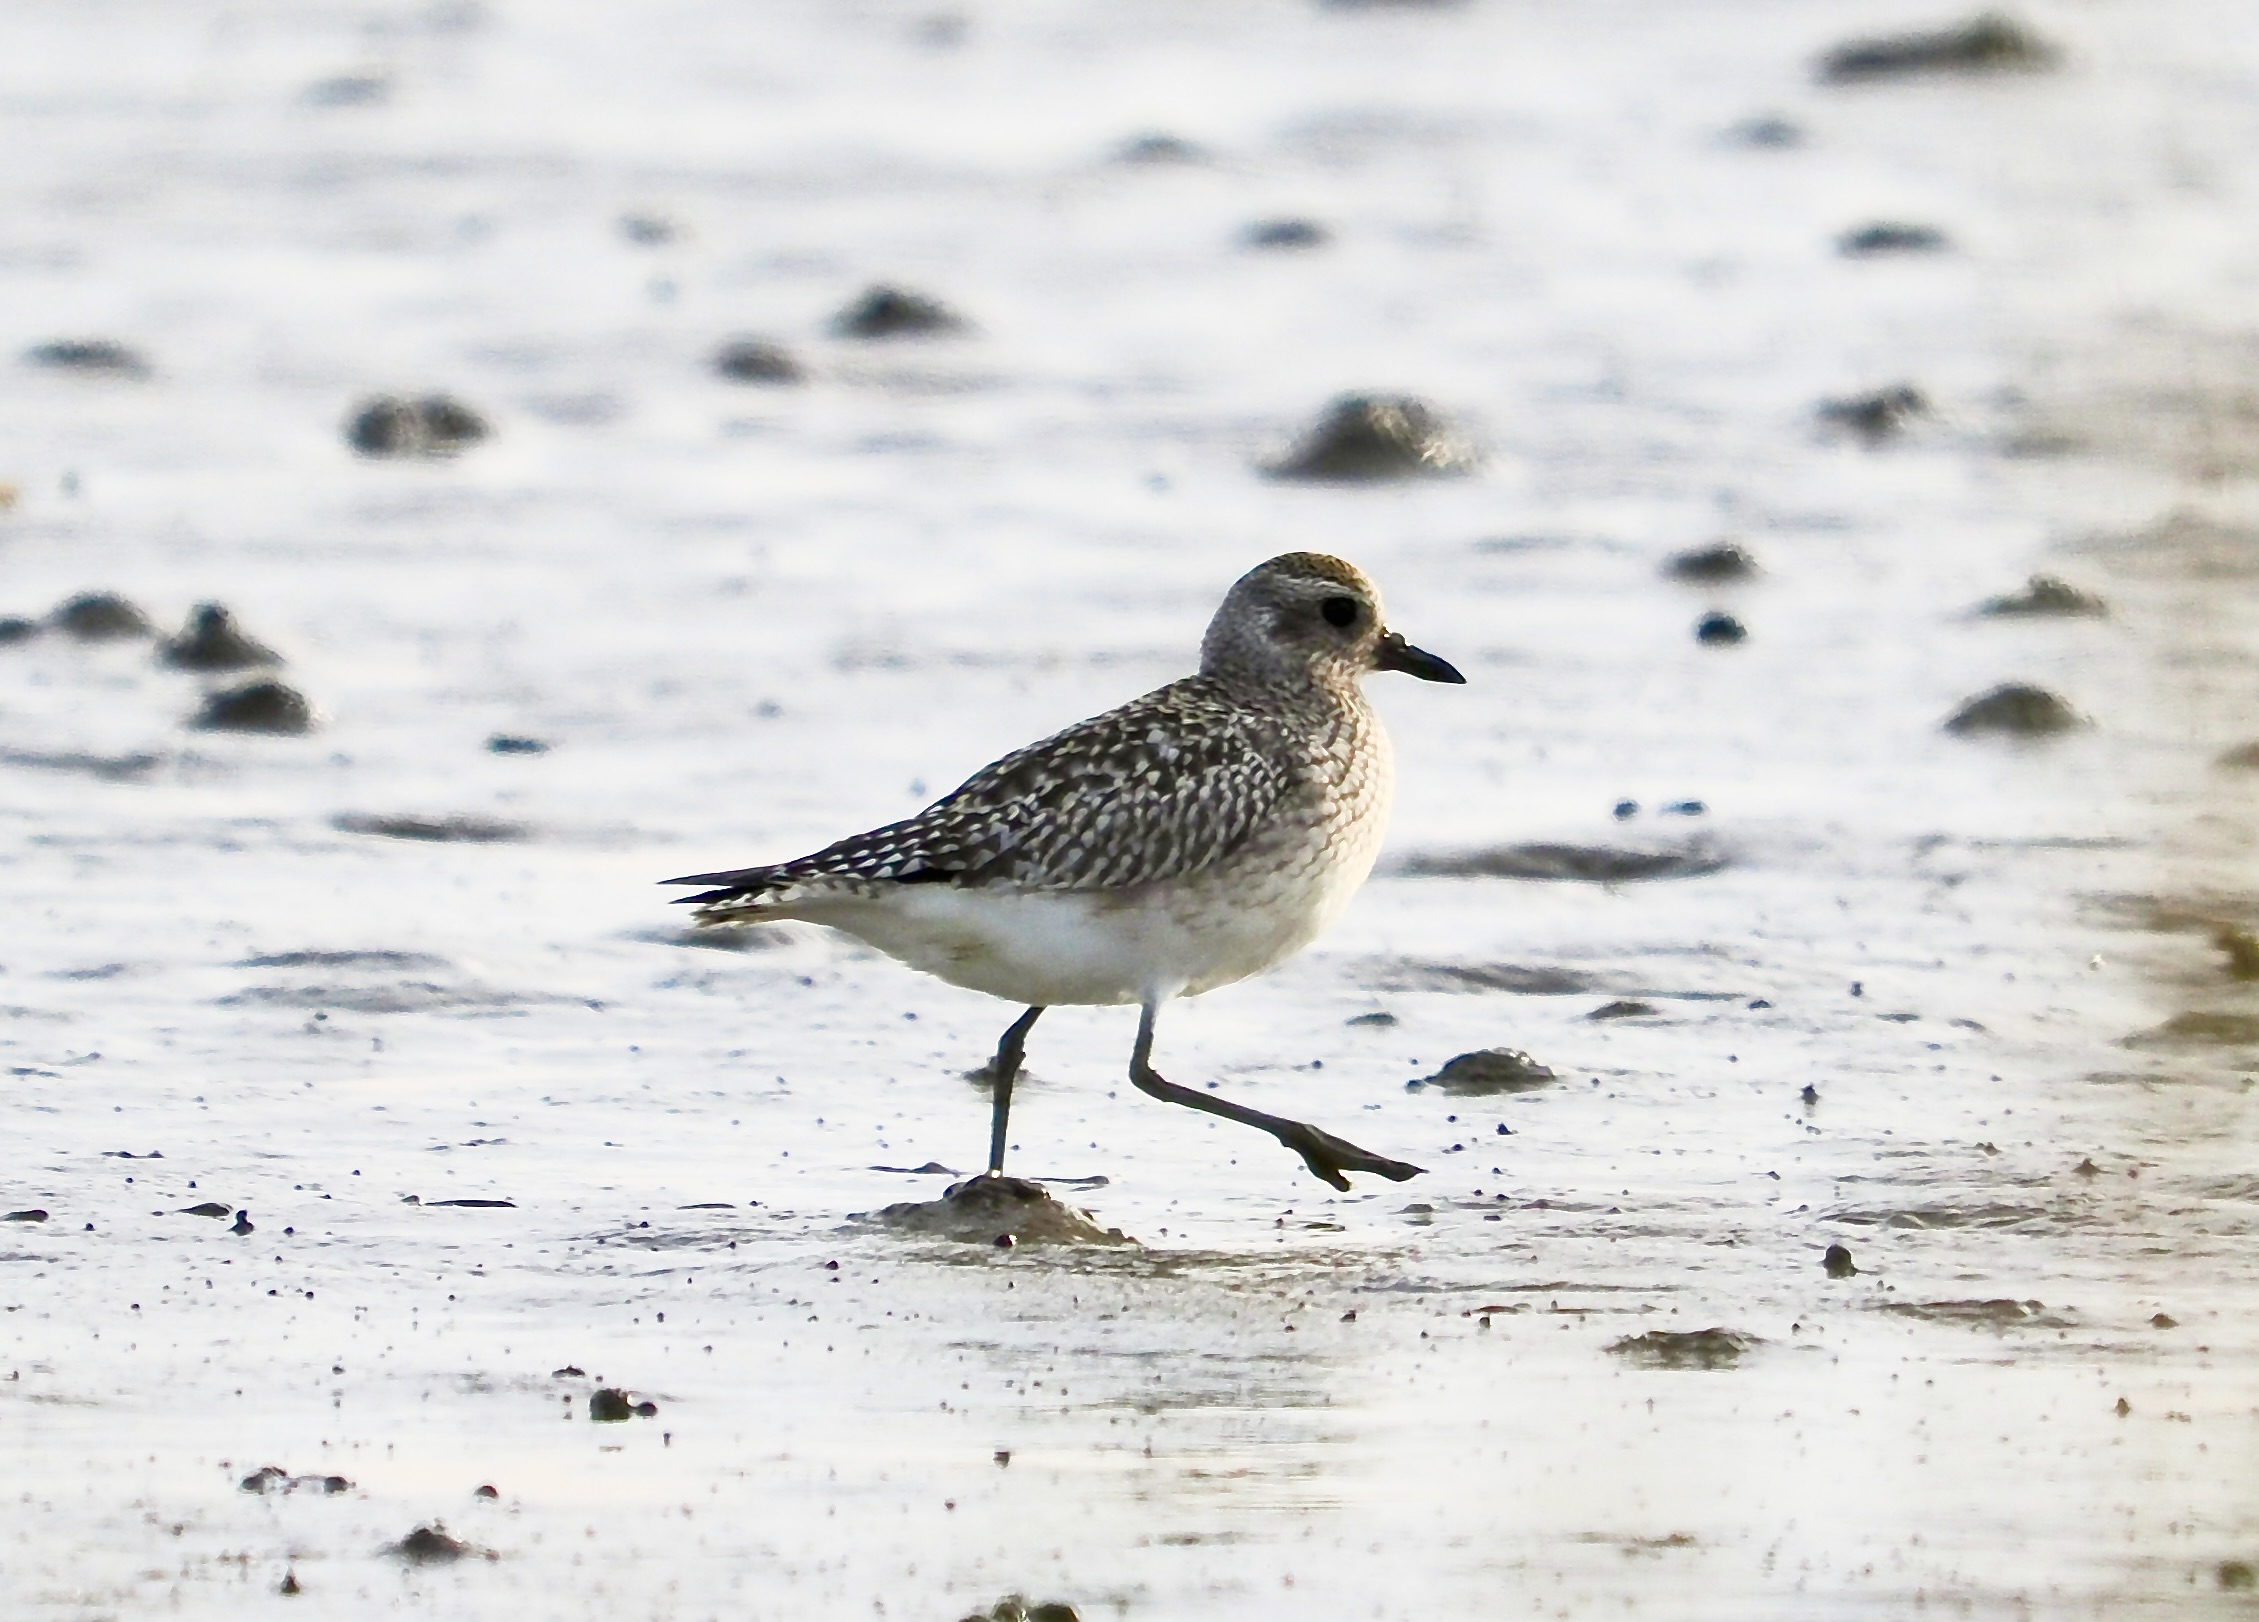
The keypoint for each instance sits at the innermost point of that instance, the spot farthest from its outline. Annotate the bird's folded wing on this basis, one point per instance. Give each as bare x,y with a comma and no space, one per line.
1164,786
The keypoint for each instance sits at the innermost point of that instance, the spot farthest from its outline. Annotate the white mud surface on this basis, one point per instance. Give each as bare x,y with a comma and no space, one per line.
745,619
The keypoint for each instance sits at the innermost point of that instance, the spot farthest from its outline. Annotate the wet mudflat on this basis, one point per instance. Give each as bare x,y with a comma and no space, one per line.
1887,1242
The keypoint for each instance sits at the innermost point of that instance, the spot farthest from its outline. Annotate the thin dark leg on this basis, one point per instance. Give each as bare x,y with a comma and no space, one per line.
1327,1156
1009,1052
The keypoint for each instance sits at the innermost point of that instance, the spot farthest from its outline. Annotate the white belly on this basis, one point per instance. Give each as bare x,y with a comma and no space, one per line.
1052,947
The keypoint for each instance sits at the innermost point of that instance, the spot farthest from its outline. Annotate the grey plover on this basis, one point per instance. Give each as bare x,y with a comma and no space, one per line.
1186,840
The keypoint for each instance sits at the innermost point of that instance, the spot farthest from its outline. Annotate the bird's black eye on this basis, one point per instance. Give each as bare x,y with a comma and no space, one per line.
1340,611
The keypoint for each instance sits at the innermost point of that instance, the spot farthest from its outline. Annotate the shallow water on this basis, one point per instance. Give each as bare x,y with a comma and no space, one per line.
338,981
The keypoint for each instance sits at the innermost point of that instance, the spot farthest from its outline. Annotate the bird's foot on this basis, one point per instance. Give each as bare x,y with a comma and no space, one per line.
1329,1157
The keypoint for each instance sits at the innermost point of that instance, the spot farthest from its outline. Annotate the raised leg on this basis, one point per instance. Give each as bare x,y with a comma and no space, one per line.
1009,1052
1327,1156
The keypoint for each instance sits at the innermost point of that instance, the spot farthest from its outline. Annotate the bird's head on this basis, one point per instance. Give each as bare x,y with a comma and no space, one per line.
1308,617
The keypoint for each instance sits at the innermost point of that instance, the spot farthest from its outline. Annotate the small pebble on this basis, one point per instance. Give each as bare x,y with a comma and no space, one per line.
1720,630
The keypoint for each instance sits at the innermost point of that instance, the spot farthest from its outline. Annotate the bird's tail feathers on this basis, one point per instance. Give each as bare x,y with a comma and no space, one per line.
754,895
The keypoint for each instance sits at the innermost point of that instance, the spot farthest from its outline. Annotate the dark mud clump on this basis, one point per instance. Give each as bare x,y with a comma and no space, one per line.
433,1546
1624,1008
1487,1072
755,360
1998,1313
1768,132
1890,236
15,628
101,616
2201,1028
2045,596
211,640
2236,1574
1015,1608
611,1406
1685,1349
1990,43
104,768
2015,709
647,230
1877,417
1838,1262
506,743
274,1478
1160,149
430,425
1284,236
2241,948
209,1208
1516,979
1721,564
347,90
454,830
35,1214
349,959
260,706
94,357
1717,630
988,1210
2242,758
1587,864
895,312
1372,438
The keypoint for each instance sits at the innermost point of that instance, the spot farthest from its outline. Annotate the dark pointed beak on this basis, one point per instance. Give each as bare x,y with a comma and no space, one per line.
1397,654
